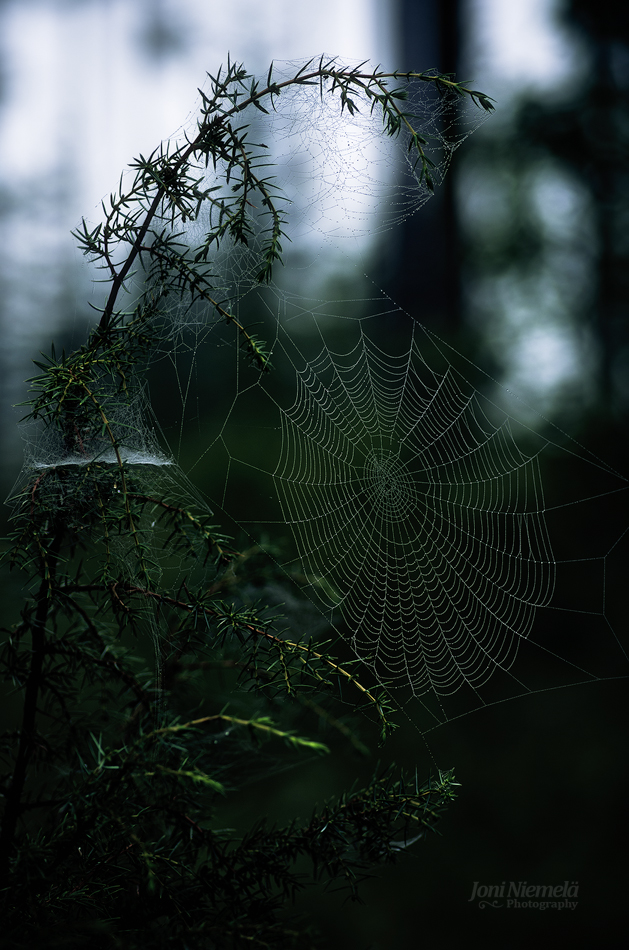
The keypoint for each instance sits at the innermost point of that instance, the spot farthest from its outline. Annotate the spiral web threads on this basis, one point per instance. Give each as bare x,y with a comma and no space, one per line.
420,529
417,516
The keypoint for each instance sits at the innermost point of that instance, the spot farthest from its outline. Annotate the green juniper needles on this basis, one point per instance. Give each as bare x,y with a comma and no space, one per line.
115,778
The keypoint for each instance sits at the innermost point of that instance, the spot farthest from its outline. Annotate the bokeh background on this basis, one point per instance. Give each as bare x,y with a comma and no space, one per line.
520,262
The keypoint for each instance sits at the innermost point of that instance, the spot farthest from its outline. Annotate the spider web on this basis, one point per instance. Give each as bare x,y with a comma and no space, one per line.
416,513
424,523
466,555
420,518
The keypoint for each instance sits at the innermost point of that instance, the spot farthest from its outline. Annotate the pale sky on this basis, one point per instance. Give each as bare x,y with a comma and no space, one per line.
81,92
82,95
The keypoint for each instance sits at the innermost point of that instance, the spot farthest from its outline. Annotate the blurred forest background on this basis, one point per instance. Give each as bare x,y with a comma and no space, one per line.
521,262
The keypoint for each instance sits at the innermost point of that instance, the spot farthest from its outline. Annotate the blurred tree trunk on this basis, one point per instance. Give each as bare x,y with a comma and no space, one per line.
425,264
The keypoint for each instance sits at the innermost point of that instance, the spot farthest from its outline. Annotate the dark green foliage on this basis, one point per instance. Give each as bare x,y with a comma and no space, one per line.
113,782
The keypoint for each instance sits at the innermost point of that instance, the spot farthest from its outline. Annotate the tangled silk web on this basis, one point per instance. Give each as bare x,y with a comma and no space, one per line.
437,533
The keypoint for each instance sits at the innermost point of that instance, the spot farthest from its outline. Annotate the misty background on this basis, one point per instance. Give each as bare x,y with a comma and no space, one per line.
519,262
